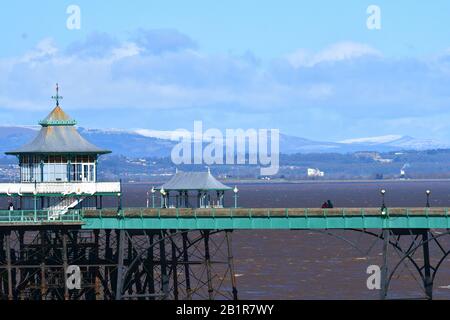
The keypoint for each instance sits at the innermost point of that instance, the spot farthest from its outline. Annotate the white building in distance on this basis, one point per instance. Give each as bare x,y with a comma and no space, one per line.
315,172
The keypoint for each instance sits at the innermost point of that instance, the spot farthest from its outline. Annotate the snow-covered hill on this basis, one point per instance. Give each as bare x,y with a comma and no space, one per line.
397,141
154,143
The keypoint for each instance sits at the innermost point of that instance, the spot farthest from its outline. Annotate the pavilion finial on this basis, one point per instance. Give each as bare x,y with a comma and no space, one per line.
57,97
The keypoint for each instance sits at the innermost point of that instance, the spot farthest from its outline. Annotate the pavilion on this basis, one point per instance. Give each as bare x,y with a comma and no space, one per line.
58,169
193,190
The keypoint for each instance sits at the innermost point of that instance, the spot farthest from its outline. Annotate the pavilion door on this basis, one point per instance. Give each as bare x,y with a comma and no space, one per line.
85,173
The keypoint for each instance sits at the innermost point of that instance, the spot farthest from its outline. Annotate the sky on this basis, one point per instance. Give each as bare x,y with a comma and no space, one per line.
309,68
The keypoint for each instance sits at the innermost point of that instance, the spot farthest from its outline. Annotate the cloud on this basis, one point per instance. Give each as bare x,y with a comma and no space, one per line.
158,41
96,45
161,77
45,49
337,52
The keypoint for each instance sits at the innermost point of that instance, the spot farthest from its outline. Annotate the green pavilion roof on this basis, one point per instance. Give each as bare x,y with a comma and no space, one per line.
58,135
57,118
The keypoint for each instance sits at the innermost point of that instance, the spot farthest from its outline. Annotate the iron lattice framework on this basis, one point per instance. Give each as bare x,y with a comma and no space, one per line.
116,264
176,264
414,253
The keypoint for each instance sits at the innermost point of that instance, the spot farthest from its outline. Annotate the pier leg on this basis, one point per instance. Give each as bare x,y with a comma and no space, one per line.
97,281
151,266
231,263
9,264
108,257
129,259
428,282
208,265
174,268
21,257
43,257
186,266
3,288
162,257
384,268
65,264
120,248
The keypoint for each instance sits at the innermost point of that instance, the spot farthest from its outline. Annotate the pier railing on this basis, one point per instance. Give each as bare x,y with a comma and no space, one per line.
39,216
236,218
265,212
267,218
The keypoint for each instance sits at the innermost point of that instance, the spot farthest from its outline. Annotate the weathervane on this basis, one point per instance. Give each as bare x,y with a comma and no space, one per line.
57,97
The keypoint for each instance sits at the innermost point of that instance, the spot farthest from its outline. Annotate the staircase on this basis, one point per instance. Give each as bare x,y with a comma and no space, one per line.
55,211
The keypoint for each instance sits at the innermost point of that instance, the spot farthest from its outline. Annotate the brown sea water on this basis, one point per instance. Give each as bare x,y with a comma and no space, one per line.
300,264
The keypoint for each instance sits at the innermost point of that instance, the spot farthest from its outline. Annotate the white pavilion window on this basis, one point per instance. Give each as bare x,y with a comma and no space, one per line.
54,168
83,169
30,170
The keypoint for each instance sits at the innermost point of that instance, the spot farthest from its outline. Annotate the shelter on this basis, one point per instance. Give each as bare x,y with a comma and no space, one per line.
181,190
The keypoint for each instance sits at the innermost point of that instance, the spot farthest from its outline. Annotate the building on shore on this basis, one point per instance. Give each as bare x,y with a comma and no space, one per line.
193,190
58,170
314,173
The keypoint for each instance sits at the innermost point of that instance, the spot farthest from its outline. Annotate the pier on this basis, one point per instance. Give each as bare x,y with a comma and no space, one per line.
58,241
180,253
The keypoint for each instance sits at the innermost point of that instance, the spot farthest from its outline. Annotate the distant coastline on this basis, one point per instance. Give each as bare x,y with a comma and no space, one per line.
280,181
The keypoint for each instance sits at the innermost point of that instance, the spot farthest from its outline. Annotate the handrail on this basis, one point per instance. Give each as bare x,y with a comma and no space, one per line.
39,216
79,215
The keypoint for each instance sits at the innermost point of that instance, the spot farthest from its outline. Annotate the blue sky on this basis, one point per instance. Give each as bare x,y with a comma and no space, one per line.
310,68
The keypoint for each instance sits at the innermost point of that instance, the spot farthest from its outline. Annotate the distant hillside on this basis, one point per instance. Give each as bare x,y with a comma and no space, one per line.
12,137
119,142
151,143
128,143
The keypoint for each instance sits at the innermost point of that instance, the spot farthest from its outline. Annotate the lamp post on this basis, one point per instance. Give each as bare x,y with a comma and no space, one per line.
428,192
120,200
153,196
235,190
383,204
120,195
163,198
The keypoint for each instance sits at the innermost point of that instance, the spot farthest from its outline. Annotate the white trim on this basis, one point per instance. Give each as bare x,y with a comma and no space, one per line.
64,188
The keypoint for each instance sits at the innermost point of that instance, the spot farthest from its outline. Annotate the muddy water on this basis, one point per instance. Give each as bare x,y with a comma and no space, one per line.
310,265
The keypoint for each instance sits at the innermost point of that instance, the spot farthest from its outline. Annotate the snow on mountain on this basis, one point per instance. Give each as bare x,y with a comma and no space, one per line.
399,142
419,144
292,144
155,143
159,134
373,140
